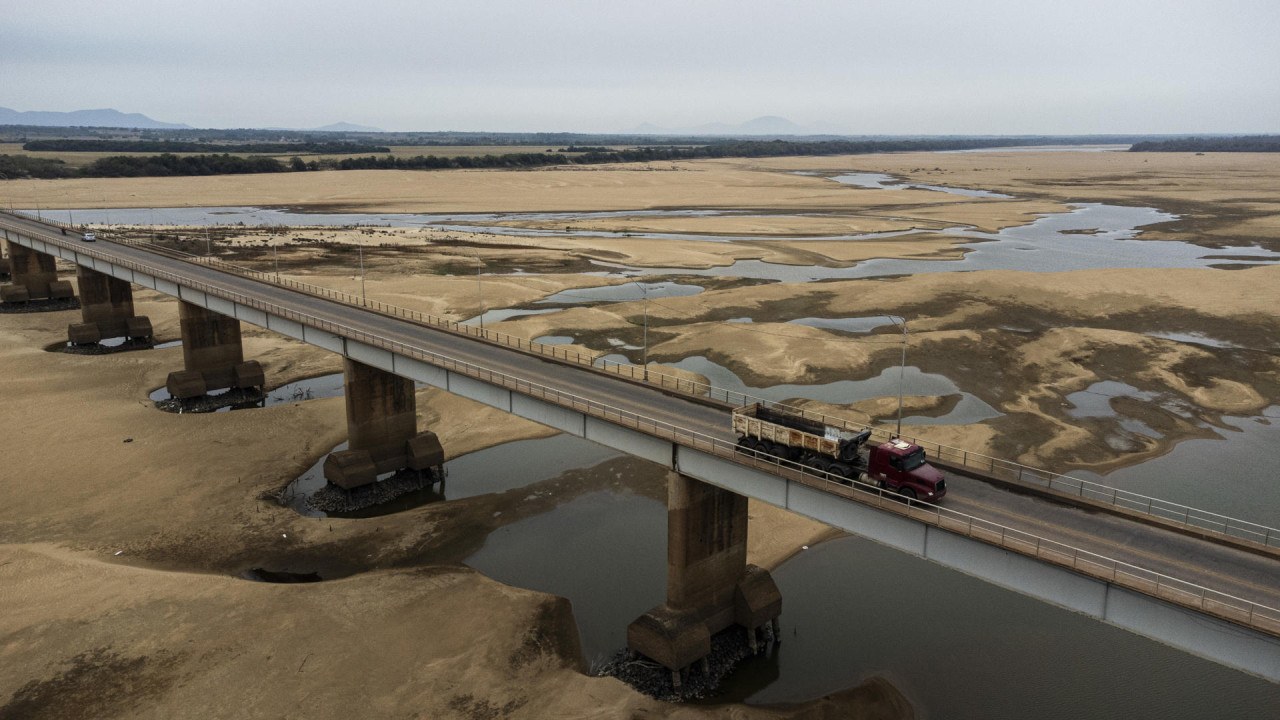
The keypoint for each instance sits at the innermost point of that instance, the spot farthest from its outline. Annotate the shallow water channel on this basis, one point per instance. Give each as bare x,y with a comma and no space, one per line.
957,646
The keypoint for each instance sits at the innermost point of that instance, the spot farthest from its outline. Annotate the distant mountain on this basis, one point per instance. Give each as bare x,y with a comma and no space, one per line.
346,127
106,117
767,125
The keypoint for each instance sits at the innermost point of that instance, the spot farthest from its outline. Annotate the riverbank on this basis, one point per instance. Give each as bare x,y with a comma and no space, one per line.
125,532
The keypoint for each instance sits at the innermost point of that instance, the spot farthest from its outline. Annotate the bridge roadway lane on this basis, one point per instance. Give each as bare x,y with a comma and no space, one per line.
1236,572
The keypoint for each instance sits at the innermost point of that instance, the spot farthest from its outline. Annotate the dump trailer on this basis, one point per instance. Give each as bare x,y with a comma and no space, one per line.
895,465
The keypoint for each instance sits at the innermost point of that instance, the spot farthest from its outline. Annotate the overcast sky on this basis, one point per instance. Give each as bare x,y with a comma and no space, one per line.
889,66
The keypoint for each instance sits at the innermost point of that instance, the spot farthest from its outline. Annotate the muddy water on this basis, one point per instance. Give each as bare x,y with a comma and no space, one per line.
629,292
880,181
605,551
958,647
970,409
494,470
1233,474
1090,237
314,388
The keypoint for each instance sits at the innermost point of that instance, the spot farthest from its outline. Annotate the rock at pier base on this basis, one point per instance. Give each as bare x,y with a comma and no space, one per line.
700,680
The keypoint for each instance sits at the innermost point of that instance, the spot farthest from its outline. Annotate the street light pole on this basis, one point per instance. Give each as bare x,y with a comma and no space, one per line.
480,288
364,298
276,254
645,290
902,372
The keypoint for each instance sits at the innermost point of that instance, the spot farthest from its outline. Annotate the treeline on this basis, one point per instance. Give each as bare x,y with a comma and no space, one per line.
1250,143
168,165
14,167
597,156
177,146
226,164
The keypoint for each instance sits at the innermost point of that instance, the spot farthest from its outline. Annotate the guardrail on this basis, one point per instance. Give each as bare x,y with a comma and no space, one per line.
1164,510
1181,592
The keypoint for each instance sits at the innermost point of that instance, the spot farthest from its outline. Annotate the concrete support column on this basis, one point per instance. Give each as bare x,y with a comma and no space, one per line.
382,409
34,276
710,586
106,309
382,429
706,545
4,258
212,355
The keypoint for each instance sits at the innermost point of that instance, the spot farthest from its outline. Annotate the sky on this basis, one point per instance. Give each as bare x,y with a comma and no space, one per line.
884,67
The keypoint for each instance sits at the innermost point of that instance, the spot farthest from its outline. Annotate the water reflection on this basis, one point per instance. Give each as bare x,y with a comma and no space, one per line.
496,469
970,409
853,609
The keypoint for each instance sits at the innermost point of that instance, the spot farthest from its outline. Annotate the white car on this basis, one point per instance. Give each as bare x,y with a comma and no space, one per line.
89,237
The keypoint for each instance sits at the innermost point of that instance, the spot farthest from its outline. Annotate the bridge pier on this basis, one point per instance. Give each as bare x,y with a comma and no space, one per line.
4,258
33,276
212,355
382,429
106,310
710,586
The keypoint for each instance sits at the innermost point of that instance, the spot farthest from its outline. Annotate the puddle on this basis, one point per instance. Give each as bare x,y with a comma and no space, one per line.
107,346
1095,401
497,316
494,470
880,181
280,576
1193,338
850,325
554,340
1233,474
324,386
970,409
628,292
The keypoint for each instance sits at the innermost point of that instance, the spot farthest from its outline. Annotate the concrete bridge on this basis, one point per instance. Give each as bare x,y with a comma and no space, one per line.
1192,579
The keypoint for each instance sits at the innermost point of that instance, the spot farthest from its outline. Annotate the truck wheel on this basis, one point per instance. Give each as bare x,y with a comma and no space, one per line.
842,472
820,465
908,493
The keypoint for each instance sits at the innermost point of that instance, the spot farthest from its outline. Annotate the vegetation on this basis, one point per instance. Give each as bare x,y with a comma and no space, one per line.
178,146
13,167
169,164
1250,143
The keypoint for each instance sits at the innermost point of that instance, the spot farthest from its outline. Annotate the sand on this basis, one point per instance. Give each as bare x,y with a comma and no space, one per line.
120,559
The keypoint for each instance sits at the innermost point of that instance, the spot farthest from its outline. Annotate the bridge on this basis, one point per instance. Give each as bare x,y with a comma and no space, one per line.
1196,580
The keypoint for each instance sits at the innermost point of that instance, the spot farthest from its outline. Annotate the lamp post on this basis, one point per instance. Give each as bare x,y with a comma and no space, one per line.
480,289
645,291
276,254
364,298
902,372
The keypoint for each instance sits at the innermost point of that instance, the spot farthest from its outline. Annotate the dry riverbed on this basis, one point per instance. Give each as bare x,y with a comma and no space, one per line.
90,469
126,531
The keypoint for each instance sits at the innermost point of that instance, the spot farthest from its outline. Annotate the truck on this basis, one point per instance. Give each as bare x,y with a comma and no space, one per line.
895,465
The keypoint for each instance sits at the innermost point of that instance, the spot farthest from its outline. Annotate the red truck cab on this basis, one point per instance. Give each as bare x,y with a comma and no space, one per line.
900,466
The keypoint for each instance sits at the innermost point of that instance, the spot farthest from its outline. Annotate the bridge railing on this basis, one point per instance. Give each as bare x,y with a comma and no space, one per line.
1008,470
1187,594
